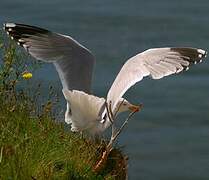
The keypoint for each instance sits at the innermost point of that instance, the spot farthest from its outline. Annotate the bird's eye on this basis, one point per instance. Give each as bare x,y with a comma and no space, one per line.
124,104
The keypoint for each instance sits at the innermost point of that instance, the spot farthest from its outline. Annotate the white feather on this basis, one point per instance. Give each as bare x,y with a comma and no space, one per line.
158,62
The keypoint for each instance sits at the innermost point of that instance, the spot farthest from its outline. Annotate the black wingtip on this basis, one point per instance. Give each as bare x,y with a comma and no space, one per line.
20,31
192,55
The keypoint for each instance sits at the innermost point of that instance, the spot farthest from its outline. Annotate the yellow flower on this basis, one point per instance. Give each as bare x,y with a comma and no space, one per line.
27,75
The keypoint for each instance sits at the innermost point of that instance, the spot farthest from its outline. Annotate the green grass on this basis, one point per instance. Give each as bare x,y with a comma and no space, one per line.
39,148
32,144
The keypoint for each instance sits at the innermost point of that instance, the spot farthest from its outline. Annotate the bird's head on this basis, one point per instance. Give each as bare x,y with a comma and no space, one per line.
124,105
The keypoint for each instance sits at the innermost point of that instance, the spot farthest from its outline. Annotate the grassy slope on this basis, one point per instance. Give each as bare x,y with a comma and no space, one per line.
39,148
35,146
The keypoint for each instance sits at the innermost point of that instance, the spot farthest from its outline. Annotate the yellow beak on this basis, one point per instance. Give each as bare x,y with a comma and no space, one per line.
135,108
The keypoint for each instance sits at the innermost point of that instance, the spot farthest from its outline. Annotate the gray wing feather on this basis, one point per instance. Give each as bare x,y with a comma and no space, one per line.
157,63
73,61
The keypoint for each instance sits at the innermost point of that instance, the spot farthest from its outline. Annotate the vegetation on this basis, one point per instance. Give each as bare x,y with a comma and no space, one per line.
32,144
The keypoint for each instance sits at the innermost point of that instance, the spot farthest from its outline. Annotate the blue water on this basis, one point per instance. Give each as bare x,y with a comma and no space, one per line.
169,139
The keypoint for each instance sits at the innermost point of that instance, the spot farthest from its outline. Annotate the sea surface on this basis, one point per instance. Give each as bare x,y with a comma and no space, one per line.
169,138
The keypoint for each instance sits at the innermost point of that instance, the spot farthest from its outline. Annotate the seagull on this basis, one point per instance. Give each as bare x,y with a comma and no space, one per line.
74,63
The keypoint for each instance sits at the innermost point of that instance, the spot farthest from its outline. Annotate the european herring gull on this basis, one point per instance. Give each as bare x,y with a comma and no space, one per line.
74,64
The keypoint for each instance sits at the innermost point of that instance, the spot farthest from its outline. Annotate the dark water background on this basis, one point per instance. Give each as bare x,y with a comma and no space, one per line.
169,139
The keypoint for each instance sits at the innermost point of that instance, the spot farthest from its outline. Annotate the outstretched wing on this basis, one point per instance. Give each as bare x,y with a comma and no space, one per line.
73,61
156,63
